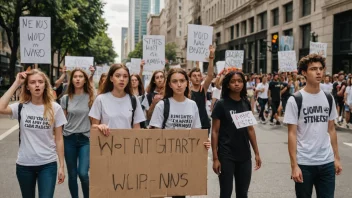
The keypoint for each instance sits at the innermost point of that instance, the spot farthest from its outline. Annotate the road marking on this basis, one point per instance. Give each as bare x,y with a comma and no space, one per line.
348,144
8,132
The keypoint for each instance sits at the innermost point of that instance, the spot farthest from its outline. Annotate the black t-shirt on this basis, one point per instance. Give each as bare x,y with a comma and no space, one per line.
233,143
200,99
275,88
335,90
286,94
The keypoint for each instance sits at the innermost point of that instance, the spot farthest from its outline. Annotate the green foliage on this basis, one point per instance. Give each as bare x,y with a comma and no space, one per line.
137,52
170,51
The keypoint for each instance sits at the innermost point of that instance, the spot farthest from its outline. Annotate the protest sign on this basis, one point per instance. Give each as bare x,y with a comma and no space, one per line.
198,42
106,69
154,52
287,61
35,39
286,43
98,72
244,119
135,65
220,65
175,66
234,58
318,48
148,163
82,62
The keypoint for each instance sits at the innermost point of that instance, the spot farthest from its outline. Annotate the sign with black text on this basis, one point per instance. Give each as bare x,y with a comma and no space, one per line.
35,39
200,37
234,58
153,52
244,119
287,61
318,48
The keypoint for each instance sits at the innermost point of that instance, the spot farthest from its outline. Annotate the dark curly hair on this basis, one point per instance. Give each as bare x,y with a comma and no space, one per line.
311,58
225,92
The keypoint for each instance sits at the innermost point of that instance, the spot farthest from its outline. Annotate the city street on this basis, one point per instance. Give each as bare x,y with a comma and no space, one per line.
271,181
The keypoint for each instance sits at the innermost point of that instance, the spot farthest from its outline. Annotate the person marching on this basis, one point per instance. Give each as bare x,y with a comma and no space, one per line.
312,139
116,107
76,105
39,116
176,98
262,91
199,92
230,145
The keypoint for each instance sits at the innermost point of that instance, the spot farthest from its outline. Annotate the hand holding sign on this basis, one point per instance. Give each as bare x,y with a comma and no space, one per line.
211,53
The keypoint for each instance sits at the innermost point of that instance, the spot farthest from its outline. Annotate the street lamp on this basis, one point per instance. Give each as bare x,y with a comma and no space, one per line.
314,36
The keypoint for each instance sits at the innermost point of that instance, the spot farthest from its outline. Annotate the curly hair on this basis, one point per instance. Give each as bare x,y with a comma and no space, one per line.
311,58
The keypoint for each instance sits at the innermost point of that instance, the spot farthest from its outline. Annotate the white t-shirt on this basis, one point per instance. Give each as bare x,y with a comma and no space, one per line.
216,93
183,115
116,112
264,94
37,141
349,95
313,140
326,87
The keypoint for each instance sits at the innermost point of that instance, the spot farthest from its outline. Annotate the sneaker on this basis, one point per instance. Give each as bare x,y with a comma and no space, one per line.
272,123
263,121
278,123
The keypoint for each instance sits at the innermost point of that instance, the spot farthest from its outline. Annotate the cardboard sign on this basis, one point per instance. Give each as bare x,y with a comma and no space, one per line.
198,42
35,39
220,65
234,58
82,62
135,65
318,48
286,43
148,163
154,52
244,119
287,61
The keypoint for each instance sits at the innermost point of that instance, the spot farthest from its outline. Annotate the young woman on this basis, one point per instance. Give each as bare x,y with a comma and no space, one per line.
177,91
101,82
39,117
231,148
137,87
154,92
250,86
76,105
113,108
348,102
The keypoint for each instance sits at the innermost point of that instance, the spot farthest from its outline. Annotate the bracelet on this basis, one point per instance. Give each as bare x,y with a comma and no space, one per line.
211,57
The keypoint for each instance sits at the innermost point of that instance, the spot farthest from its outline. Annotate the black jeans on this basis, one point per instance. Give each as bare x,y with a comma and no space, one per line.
241,171
262,103
322,177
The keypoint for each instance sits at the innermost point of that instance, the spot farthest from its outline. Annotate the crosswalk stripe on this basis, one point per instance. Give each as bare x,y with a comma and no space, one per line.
348,144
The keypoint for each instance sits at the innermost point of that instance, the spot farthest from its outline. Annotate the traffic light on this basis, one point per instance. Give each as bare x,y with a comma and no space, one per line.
275,43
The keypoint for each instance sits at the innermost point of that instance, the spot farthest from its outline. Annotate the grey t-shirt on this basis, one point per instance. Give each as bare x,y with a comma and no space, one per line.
77,114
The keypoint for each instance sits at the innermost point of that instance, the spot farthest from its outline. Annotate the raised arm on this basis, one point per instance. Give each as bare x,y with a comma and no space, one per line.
209,77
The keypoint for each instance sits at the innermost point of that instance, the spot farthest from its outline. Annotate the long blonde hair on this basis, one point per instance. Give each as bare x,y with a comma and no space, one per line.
48,96
87,87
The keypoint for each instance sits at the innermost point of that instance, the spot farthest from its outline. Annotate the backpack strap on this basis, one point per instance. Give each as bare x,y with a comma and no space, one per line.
298,98
67,103
19,122
134,105
166,111
150,98
329,97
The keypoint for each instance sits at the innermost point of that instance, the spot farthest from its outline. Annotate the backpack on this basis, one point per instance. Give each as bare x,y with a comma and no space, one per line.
166,111
19,122
299,98
134,105
150,97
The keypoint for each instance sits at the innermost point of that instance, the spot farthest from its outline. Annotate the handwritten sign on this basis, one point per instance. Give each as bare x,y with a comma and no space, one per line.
98,72
73,62
244,119
154,52
318,48
220,65
234,58
135,65
35,39
198,42
106,69
148,163
175,66
287,61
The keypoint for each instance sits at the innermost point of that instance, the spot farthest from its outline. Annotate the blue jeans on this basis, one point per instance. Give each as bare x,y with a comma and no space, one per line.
77,151
322,177
27,177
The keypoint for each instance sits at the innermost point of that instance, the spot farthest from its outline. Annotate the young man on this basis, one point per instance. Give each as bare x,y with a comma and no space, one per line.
312,140
274,97
199,91
338,91
262,92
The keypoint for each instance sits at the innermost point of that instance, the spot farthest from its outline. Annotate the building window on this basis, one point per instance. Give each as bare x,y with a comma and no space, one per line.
237,30
251,23
288,32
263,21
244,28
306,7
179,33
218,38
179,16
305,35
232,32
275,15
288,12
180,24
179,8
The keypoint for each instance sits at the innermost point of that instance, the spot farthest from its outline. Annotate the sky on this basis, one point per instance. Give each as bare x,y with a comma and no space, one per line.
116,15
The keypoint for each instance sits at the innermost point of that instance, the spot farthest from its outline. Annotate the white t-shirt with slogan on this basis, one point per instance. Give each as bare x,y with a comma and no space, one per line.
37,141
182,115
313,140
116,112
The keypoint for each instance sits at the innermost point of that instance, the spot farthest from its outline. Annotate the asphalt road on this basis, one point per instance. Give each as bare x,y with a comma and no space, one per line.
271,181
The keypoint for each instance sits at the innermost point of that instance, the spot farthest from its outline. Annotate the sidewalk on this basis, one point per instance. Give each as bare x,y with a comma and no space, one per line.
7,125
